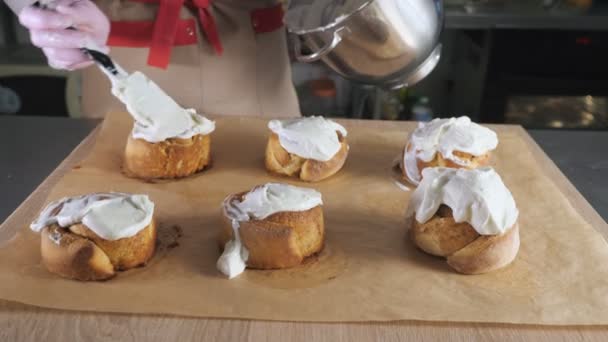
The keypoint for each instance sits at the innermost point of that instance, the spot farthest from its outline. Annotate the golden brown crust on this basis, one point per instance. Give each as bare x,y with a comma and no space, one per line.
442,236
281,162
487,253
439,161
169,159
466,251
72,256
78,253
281,240
124,253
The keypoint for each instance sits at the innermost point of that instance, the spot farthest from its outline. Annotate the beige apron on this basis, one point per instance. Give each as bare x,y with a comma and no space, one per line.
251,77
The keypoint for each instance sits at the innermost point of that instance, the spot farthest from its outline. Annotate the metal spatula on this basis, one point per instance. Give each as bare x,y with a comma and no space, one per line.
103,61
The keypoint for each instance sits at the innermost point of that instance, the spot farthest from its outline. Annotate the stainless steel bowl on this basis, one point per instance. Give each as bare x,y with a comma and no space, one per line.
389,43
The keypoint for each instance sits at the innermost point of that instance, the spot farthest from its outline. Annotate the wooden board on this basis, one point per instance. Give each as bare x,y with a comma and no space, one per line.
19,322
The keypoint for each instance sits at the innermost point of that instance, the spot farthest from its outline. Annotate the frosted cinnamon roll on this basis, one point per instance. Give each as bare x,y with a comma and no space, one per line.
454,143
467,216
92,237
272,226
311,148
167,141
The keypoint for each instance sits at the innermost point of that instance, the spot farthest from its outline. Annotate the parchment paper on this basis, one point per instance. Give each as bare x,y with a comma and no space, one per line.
368,271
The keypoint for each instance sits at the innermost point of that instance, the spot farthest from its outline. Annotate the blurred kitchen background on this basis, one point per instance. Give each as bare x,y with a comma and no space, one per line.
538,63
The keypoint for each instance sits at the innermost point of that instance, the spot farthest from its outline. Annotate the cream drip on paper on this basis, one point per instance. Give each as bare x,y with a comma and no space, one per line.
112,216
446,136
478,197
311,137
157,116
258,204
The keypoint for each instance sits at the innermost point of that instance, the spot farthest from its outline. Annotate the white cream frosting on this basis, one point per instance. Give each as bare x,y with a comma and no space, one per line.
112,216
478,197
157,116
446,136
311,137
258,204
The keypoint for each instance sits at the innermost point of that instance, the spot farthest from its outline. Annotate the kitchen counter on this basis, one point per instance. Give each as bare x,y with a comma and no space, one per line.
32,147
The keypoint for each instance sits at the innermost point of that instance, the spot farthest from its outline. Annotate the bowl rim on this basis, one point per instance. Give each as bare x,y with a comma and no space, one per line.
329,26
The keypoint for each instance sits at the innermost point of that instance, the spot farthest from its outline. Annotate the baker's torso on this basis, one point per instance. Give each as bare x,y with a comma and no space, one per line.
251,75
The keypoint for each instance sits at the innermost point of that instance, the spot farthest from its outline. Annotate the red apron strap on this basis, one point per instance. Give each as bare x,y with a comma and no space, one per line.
208,24
267,19
139,33
169,30
164,32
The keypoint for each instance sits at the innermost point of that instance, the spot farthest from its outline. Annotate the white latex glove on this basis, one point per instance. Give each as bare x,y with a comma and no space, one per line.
49,31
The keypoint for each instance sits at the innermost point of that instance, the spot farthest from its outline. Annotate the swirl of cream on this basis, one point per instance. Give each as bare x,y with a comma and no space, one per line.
311,137
157,116
112,216
478,197
446,136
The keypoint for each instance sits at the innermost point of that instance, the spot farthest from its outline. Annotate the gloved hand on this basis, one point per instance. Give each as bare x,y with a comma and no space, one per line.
48,30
